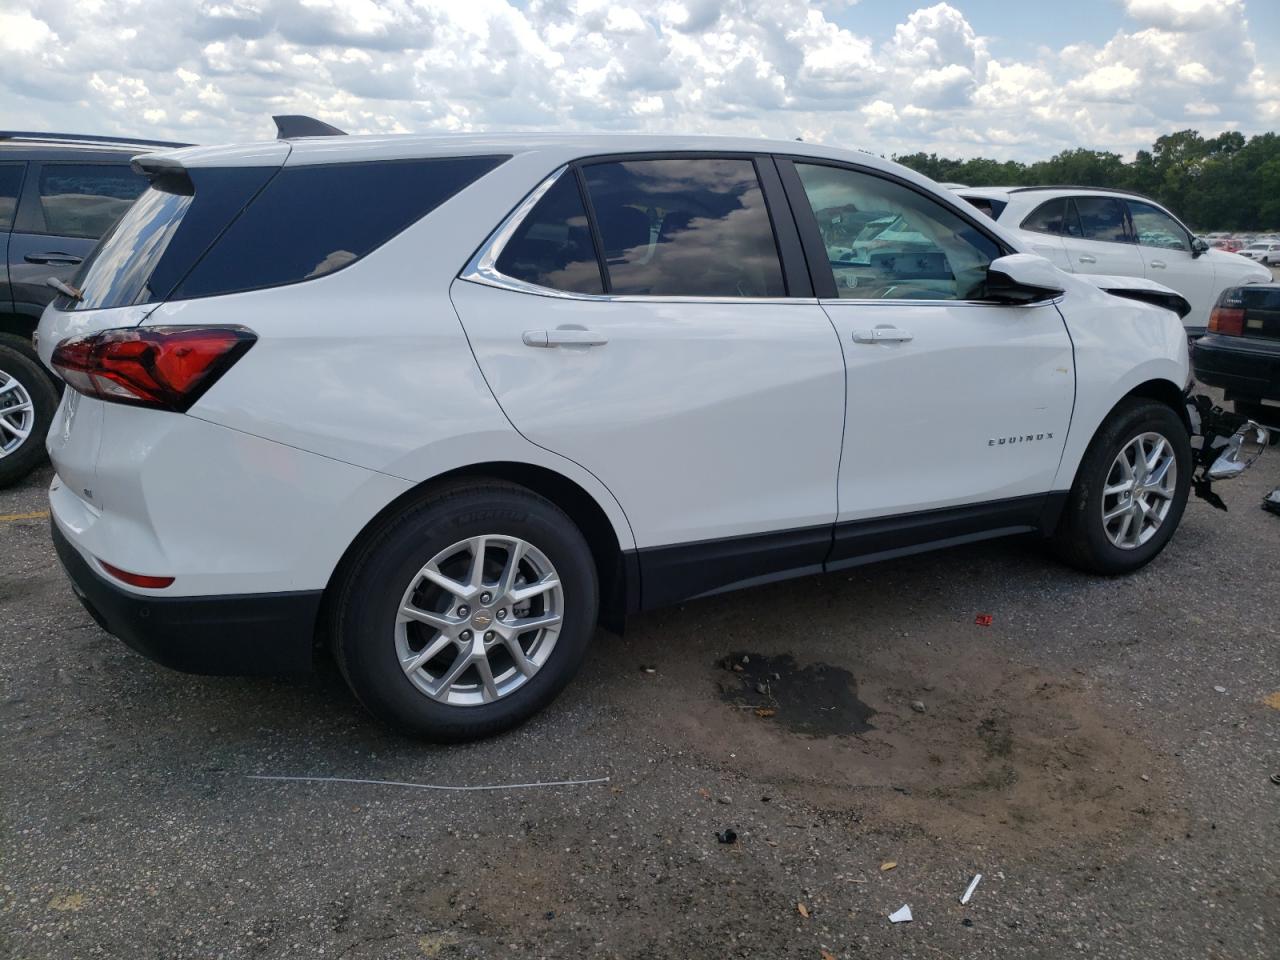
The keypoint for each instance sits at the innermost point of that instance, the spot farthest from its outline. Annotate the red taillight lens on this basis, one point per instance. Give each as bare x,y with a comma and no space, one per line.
1227,320
163,367
136,579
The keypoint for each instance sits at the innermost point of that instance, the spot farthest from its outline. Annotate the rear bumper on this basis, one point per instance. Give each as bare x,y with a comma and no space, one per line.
1244,368
267,634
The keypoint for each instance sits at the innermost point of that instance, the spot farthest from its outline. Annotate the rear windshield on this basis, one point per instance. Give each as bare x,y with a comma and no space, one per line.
217,230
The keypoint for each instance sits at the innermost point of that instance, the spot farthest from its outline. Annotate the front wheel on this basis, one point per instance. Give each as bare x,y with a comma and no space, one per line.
28,400
467,612
1130,490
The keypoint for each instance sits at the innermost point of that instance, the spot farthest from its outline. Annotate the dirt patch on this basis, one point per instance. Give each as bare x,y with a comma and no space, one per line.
963,744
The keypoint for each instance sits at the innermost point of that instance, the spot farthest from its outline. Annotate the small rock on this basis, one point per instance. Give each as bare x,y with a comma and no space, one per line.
725,800
761,688
745,658
1220,689
1146,779
727,835
738,668
917,706
966,922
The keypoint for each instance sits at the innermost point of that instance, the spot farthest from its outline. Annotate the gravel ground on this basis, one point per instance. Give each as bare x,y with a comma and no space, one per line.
1101,753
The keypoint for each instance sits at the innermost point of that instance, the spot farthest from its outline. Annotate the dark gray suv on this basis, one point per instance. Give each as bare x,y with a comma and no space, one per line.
59,193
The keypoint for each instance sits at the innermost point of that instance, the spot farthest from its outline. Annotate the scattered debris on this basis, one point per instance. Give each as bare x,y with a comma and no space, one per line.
645,669
1145,778
802,910
816,700
762,689
966,922
973,885
1271,502
725,800
727,835
704,793
765,712
1220,689
826,955
983,619
429,786
917,706
901,915
1275,778
745,658
888,865
63,902
1272,701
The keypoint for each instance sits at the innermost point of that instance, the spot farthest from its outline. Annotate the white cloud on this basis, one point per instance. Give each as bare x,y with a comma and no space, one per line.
214,70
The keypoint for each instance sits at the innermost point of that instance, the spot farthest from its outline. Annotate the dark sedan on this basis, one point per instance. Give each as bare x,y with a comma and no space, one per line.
1241,350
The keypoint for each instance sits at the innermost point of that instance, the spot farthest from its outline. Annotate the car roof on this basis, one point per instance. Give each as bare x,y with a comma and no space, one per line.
359,148
30,145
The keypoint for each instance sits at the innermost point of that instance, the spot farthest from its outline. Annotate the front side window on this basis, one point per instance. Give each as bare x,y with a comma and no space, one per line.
886,241
552,246
1155,228
10,184
85,200
1103,218
688,227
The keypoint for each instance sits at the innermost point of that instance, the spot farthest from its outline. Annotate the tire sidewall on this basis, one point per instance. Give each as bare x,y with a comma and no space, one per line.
1145,418
364,640
19,364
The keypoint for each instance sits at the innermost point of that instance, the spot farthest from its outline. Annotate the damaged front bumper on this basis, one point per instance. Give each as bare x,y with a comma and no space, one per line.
1229,444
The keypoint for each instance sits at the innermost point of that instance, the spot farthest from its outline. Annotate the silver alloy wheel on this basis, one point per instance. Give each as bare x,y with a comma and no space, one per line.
17,414
479,620
1139,490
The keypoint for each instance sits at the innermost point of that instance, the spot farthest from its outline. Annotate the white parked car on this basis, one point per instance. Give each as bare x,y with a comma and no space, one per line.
1265,252
442,403
1092,230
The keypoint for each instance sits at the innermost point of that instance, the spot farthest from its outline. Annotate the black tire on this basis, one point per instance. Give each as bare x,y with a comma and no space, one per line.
18,361
1081,539
364,607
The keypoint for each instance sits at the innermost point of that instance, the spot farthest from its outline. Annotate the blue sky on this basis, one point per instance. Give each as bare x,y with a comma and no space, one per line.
963,78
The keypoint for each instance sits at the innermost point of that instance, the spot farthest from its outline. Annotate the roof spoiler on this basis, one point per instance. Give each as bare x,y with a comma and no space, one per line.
293,125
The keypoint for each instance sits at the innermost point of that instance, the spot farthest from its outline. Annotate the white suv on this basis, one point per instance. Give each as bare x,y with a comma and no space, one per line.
1092,230
1265,252
443,403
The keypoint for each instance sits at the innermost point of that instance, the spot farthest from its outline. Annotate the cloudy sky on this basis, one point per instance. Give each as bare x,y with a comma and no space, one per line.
964,77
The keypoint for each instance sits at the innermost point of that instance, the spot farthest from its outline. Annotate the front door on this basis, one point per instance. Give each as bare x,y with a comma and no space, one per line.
1165,246
957,408
674,360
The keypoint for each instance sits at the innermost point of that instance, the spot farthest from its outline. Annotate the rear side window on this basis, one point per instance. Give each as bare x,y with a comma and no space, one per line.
10,184
85,200
1103,218
687,227
1049,217
310,221
552,246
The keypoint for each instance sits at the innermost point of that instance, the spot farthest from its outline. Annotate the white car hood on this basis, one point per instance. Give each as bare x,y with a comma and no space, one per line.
1140,288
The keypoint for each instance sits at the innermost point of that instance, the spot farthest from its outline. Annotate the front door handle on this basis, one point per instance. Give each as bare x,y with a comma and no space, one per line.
1085,258
1158,264
881,335
54,259
563,337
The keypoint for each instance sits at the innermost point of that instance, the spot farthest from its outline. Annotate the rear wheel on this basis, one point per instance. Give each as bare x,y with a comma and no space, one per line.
27,401
466,613
1130,490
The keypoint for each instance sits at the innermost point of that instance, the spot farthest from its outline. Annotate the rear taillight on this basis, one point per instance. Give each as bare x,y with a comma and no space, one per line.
137,579
1227,320
167,368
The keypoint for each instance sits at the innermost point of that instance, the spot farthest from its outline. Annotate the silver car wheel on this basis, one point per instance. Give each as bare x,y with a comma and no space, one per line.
479,620
1139,490
17,414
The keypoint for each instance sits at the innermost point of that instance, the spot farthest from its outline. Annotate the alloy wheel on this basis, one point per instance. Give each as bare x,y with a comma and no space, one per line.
479,620
1139,490
17,414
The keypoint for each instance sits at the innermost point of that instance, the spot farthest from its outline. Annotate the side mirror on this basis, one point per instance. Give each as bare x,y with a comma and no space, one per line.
1199,245
1023,278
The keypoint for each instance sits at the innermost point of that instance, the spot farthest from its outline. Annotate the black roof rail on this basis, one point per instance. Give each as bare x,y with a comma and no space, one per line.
85,138
1076,186
290,125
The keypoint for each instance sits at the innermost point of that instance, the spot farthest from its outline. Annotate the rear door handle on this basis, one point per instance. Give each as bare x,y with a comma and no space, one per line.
1158,264
54,259
881,335
563,337
1085,258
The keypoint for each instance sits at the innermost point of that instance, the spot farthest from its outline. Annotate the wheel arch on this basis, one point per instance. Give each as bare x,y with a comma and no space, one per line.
617,570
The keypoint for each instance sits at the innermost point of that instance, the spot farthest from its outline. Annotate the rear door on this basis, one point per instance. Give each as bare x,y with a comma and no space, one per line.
656,336
1046,227
66,208
10,188
1101,240
1165,246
